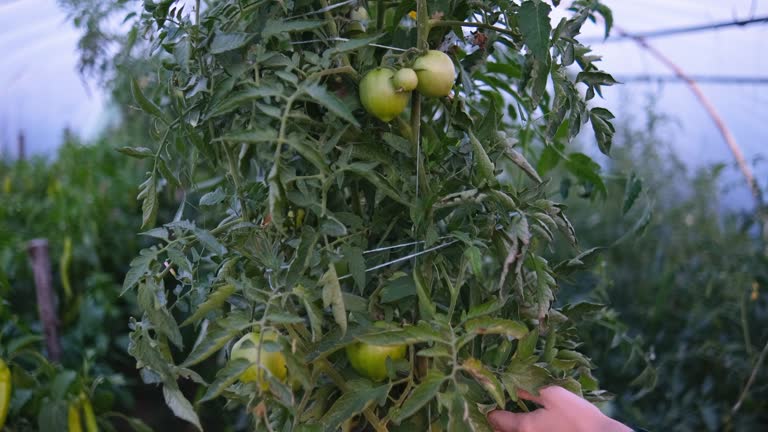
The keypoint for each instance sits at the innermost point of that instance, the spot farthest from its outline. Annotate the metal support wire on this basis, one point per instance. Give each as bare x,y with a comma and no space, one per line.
404,258
622,36
702,79
341,39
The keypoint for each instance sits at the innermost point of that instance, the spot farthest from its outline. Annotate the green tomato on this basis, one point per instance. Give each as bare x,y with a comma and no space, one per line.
248,348
379,96
405,79
436,74
371,360
358,20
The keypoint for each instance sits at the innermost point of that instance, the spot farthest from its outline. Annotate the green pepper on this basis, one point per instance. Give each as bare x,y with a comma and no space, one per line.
90,417
73,418
5,391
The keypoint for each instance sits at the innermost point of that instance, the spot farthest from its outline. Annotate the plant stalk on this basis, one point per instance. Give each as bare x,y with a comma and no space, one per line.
440,23
333,29
381,8
751,380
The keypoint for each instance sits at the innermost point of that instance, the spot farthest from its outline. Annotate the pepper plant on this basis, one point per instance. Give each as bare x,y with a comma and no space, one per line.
312,231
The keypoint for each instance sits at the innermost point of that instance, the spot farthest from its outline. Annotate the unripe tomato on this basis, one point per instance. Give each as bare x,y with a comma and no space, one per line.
436,74
405,80
371,360
248,348
379,96
358,20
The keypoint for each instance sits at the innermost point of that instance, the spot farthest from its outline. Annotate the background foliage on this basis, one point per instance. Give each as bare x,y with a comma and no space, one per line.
81,201
691,290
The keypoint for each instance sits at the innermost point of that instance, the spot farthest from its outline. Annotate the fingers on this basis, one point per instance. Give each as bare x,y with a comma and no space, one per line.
522,394
505,421
548,396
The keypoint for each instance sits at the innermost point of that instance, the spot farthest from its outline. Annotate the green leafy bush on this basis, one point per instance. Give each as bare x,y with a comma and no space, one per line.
324,226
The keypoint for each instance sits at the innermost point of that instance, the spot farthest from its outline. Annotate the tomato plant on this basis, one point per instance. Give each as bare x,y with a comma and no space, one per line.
439,218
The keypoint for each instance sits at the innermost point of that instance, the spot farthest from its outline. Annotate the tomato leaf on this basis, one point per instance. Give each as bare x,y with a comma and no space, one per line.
485,378
523,163
350,404
420,396
276,27
145,104
149,202
485,168
179,404
426,307
631,191
354,257
139,268
214,301
501,326
209,342
533,18
151,301
225,377
328,100
521,375
137,152
213,198
223,42
333,297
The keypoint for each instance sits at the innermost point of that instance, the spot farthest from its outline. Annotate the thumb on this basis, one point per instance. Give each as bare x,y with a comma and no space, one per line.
505,421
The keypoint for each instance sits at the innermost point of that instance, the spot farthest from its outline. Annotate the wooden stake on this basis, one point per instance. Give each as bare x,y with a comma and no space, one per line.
37,250
22,151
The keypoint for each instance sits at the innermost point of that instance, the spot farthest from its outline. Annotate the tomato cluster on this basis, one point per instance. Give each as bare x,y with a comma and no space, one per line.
368,360
384,92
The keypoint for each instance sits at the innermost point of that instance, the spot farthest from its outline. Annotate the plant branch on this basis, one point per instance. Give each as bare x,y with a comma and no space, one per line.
745,325
381,8
441,23
333,29
339,70
751,380
422,17
234,171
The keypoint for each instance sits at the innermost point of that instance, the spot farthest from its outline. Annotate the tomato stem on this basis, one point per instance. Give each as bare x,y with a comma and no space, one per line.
333,29
339,70
441,23
381,9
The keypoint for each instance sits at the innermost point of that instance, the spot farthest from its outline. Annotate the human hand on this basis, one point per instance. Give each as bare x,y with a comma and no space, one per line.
562,411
